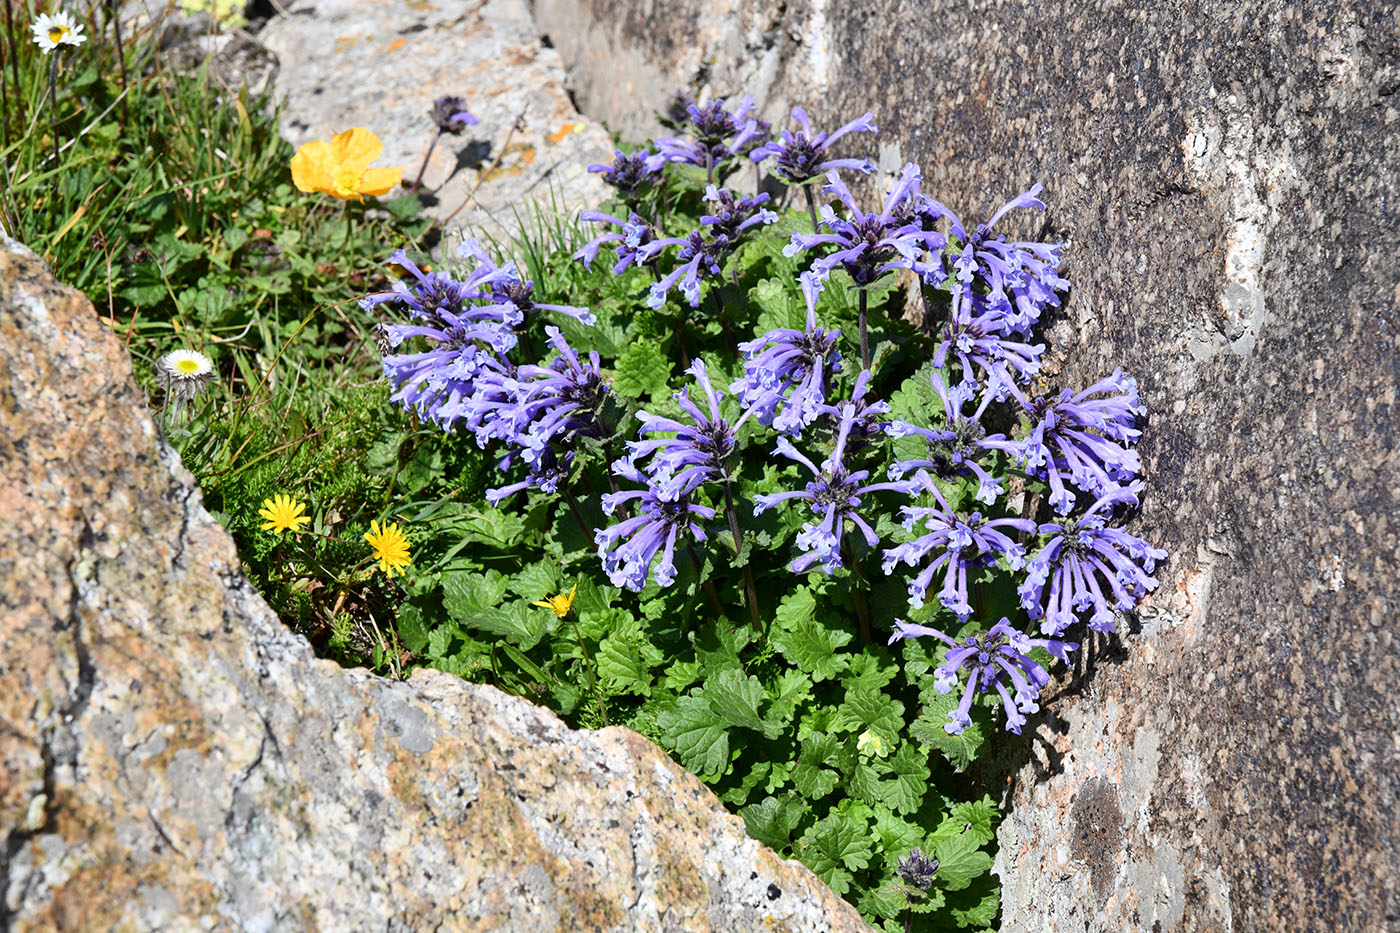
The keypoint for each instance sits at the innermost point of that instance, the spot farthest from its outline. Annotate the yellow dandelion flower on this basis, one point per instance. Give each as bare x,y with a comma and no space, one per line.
559,605
283,513
390,547
340,168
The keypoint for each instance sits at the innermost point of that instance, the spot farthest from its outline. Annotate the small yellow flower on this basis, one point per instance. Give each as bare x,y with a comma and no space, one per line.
340,168
559,605
871,743
283,513
390,547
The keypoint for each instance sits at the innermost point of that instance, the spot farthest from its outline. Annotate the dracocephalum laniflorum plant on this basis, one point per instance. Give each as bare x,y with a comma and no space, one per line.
802,570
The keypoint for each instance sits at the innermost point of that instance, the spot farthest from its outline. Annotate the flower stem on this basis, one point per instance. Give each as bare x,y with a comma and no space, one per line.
53,103
422,168
864,339
724,322
13,53
811,207
116,12
858,590
578,517
750,589
607,465
588,664
705,583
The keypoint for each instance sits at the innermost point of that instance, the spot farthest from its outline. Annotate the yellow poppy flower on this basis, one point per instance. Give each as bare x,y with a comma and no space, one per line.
283,513
390,547
559,605
340,168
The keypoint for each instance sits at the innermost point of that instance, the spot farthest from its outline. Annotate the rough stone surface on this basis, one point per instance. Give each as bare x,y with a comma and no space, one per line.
1227,177
171,757
381,64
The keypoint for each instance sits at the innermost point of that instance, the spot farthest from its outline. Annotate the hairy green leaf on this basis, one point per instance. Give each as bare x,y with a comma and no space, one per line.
642,371
696,734
772,821
813,648
810,774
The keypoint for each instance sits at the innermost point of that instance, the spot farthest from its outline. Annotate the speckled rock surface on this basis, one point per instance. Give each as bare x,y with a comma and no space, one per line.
1227,177
381,63
171,757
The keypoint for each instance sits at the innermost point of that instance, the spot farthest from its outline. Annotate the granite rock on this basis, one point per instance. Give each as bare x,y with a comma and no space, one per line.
172,757
1227,178
381,65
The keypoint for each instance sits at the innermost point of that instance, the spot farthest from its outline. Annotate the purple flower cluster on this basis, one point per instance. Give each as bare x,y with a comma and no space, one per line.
466,379
717,134
868,245
1085,565
1081,440
801,156
675,467
450,114
630,548
630,172
956,544
833,495
697,454
1019,280
957,446
703,251
632,242
508,287
786,371
993,659
463,327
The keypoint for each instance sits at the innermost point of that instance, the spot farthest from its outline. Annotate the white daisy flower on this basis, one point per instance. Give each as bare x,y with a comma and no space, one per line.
59,29
184,374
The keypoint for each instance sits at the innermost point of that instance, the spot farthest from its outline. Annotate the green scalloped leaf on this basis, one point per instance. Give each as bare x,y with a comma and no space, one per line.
812,648
772,821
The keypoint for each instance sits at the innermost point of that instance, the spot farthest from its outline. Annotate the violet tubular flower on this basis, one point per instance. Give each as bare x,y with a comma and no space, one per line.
979,344
635,234
955,447
993,660
509,289
719,135
1017,280
1080,440
462,335
630,548
558,402
868,245
450,114
833,495
697,454
956,544
630,172
868,425
786,371
549,474
801,156
1086,565
703,252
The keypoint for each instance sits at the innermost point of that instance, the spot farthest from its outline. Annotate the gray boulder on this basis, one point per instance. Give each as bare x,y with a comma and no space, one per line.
172,757
1226,177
